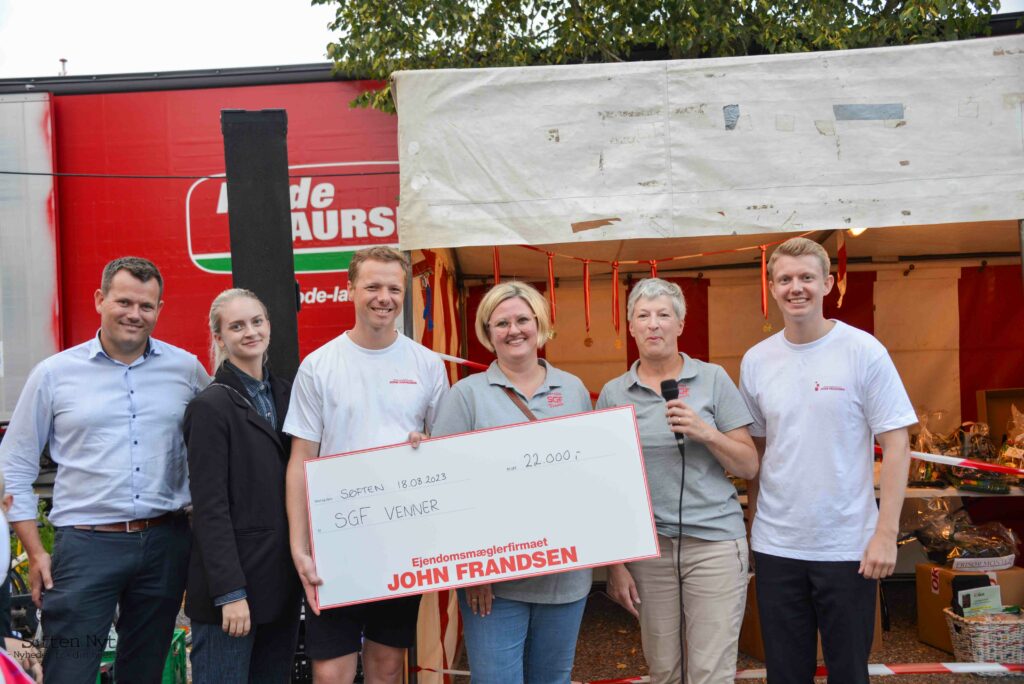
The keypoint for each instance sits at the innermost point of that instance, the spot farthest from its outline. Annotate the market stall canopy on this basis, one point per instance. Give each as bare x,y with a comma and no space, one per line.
897,136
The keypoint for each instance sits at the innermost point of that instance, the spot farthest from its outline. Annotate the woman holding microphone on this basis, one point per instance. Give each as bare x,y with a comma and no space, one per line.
242,593
699,582
522,630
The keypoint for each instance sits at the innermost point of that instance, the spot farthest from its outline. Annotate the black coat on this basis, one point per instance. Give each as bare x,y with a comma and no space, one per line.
237,463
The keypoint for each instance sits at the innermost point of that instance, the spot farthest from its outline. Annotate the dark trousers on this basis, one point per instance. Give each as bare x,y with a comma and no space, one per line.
796,599
264,656
95,572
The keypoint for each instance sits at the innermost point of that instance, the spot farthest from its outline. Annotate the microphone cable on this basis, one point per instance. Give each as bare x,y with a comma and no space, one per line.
670,391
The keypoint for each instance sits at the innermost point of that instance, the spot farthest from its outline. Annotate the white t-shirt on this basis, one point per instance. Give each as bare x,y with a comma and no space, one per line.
819,406
348,398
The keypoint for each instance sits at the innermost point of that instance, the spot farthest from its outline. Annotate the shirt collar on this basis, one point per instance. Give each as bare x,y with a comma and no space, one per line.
688,372
251,384
96,349
496,376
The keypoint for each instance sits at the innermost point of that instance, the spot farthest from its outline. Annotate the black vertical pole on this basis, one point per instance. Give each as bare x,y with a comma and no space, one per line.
259,217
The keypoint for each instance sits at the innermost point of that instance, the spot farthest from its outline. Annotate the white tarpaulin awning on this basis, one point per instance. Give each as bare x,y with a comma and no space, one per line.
781,143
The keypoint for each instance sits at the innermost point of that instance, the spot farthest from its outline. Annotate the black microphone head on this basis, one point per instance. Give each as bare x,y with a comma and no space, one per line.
669,389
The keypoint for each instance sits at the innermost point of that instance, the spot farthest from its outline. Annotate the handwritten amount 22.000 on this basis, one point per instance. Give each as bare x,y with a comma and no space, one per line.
534,460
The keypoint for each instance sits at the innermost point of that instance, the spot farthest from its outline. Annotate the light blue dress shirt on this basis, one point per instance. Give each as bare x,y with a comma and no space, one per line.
114,432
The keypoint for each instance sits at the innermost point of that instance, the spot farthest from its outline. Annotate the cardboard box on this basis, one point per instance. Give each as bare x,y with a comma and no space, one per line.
994,409
935,592
752,643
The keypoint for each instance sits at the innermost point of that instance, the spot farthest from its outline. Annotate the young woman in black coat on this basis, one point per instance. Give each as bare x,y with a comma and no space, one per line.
243,593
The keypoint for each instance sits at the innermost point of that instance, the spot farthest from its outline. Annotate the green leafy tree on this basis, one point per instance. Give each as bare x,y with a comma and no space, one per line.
376,38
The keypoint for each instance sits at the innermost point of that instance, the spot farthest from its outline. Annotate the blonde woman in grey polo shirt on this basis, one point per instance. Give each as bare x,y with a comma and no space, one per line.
698,517
522,630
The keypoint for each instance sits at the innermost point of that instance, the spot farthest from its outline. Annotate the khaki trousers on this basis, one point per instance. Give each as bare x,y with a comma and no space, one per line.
714,589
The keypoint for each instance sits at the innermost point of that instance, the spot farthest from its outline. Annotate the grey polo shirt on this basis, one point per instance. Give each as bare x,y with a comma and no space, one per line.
478,402
711,508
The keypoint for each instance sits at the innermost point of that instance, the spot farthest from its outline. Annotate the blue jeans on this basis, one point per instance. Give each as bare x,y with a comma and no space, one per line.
522,642
265,655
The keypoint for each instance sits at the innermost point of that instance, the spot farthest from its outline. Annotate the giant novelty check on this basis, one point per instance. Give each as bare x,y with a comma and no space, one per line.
511,502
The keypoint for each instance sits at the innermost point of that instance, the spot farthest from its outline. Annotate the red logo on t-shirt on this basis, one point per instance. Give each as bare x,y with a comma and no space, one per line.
818,387
684,391
555,400
403,381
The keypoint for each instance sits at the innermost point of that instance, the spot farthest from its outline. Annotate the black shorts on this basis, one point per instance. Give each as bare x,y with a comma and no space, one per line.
337,632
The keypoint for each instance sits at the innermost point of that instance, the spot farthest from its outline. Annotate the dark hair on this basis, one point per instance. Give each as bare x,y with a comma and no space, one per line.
141,269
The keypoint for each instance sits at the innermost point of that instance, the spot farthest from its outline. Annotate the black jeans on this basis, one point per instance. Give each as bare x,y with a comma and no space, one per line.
796,599
94,572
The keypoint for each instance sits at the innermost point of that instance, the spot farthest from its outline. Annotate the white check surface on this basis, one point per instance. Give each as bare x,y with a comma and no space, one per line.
522,500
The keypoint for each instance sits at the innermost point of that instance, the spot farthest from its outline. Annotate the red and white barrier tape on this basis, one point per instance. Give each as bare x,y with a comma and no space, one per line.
962,462
462,362
874,669
968,463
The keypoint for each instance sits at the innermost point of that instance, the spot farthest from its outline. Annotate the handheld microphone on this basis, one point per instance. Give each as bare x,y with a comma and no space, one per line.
670,391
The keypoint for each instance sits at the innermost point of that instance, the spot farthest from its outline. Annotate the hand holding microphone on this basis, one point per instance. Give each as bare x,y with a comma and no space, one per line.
682,420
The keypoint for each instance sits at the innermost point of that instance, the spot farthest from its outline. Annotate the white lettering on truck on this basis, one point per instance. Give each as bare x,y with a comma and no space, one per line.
321,223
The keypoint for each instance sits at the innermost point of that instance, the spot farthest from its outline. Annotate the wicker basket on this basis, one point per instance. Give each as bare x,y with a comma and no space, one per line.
980,641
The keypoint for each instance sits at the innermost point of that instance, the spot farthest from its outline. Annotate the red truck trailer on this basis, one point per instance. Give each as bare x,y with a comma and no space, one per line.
100,167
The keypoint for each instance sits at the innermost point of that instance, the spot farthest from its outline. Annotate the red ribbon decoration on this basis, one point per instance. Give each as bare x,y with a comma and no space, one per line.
654,267
841,253
551,285
497,266
615,296
586,291
764,280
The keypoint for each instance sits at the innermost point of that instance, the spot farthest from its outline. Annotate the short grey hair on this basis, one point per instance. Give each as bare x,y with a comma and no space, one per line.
652,288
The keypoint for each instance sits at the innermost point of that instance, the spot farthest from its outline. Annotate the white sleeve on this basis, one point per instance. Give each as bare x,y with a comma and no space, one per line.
748,391
305,410
886,404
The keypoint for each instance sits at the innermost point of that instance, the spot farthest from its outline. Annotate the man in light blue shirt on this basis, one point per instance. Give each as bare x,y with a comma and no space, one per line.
111,411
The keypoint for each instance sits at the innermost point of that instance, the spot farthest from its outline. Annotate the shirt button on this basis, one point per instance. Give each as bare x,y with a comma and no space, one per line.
133,415
136,469
131,391
136,496
135,442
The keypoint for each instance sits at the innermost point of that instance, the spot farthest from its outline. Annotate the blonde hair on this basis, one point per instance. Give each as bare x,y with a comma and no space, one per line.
217,354
507,290
652,288
384,254
798,247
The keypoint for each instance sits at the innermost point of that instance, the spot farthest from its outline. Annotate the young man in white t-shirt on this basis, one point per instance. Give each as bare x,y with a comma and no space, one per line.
369,387
820,393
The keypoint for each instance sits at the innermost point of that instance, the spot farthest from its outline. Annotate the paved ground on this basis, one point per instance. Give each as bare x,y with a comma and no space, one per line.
609,644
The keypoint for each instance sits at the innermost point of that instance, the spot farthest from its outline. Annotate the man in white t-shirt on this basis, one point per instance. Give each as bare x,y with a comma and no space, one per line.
369,387
820,393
